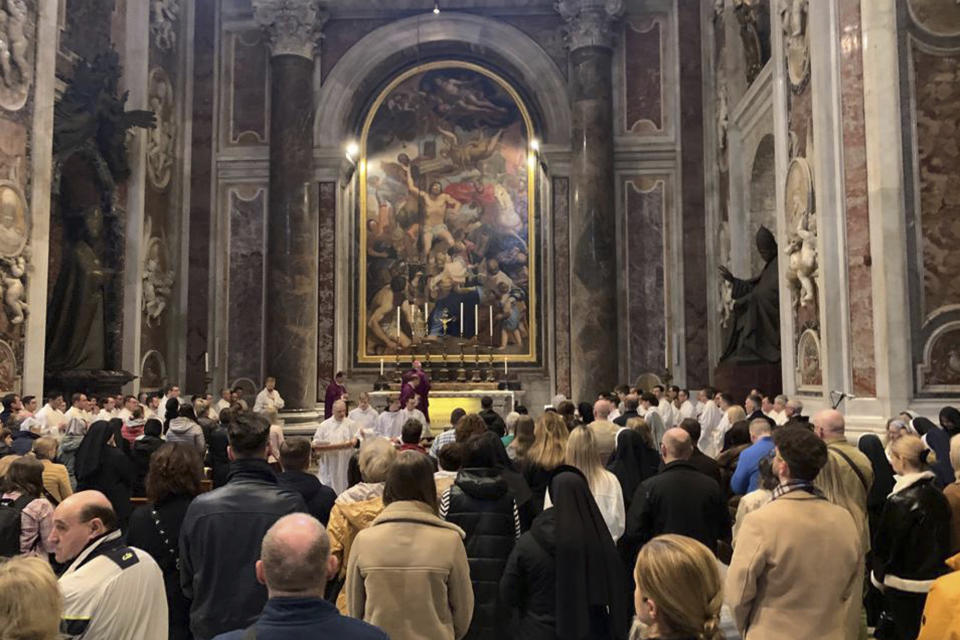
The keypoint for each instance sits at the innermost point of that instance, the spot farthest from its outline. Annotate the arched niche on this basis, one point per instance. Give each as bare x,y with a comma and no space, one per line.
372,62
762,194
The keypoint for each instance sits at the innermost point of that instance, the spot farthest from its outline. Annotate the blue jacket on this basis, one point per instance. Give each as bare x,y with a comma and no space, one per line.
295,618
745,478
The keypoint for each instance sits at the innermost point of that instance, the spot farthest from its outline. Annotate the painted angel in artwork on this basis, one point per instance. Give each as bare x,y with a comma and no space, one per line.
469,155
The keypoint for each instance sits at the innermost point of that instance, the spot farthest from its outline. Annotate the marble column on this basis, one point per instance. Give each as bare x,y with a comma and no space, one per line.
593,284
292,226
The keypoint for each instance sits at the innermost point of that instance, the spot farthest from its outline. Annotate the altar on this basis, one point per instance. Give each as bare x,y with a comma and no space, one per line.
445,397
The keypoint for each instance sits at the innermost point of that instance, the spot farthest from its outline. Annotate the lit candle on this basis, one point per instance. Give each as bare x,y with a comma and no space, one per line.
398,323
426,313
491,324
381,366
206,361
461,319
504,366
476,320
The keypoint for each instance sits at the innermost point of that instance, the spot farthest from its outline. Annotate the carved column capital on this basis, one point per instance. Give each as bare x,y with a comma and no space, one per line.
590,23
293,26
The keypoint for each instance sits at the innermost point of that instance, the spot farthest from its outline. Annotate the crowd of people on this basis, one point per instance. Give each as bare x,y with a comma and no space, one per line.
641,514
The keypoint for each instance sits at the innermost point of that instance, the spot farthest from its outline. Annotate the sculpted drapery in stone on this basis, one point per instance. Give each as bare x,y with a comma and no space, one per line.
755,322
90,130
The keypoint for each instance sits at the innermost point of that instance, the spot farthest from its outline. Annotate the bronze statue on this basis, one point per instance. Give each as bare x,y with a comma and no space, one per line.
755,320
90,128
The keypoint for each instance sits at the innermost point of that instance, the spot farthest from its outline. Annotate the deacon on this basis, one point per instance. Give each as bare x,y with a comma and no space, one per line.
335,440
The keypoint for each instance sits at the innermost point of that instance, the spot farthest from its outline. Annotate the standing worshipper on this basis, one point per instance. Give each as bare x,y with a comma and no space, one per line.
564,575
390,422
363,414
411,412
69,446
103,467
335,439
423,387
269,397
709,418
634,460
335,391
912,541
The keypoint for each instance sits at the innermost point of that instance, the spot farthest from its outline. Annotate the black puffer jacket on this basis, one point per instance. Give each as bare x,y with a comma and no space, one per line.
143,447
479,502
318,496
913,538
529,582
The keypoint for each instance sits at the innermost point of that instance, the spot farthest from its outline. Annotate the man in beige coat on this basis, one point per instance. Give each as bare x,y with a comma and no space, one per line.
846,480
798,557
604,431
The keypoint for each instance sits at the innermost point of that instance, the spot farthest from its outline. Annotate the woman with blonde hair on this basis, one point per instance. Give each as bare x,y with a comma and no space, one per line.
356,508
548,451
912,541
679,593
56,479
523,438
604,486
30,600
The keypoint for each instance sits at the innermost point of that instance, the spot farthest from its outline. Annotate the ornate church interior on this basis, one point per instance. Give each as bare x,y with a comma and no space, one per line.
527,196
479,319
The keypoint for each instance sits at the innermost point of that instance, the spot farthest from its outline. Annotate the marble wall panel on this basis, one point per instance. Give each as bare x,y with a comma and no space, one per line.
859,259
249,92
247,212
545,30
645,207
327,286
198,289
643,74
937,97
561,280
693,218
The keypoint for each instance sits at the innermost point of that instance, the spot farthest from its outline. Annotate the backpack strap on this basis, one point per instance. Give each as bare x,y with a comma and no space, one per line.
853,465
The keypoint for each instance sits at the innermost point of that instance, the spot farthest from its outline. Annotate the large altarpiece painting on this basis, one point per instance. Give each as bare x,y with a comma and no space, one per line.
447,217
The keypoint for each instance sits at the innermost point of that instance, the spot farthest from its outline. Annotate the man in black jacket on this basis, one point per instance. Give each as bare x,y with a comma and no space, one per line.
701,461
492,418
678,500
295,459
630,404
221,533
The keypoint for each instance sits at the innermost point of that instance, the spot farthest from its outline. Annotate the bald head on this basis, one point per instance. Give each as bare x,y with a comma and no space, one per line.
78,520
828,424
602,409
339,410
676,445
295,557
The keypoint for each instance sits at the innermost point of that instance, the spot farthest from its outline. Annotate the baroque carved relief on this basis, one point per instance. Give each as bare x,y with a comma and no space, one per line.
158,278
802,226
161,140
8,368
796,42
939,369
16,53
725,299
809,368
753,58
153,371
163,20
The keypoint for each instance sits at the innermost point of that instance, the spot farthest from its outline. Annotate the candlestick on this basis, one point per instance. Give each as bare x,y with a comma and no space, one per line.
476,320
461,319
491,324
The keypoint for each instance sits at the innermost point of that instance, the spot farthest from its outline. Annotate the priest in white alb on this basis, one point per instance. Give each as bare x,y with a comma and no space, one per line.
335,440
364,415
268,398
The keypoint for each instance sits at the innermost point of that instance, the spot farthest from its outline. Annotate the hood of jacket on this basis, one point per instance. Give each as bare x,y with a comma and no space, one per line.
544,530
483,484
182,425
70,443
361,503
414,511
